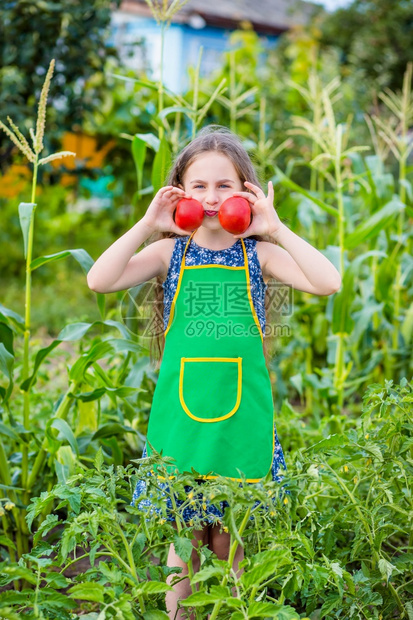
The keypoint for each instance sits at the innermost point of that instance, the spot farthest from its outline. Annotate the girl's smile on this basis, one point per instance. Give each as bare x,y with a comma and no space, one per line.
211,179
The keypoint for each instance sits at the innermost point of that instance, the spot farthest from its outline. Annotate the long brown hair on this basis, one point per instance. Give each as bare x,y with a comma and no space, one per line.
212,138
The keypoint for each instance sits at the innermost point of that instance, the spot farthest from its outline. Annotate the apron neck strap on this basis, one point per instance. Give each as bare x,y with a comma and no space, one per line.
187,245
243,250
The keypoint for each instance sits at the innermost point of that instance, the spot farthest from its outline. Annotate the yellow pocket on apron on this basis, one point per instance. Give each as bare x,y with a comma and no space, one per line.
210,388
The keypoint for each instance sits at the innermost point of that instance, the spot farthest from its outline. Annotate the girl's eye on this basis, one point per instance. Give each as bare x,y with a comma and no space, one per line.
224,185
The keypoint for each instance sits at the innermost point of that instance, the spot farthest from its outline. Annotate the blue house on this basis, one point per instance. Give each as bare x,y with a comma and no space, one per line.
137,36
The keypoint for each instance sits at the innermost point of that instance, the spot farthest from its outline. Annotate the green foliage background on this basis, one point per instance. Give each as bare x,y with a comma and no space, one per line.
76,385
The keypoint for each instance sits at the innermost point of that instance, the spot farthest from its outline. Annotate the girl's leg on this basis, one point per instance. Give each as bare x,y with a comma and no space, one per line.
219,543
183,588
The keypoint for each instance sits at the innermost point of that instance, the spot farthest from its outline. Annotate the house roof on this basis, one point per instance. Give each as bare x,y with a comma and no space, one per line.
266,16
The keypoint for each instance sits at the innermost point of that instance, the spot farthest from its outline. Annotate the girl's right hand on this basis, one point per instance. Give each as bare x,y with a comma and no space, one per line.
159,214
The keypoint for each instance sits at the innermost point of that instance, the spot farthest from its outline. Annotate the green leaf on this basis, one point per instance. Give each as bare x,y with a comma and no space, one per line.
121,392
259,573
7,542
175,110
287,613
40,356
222,592
284,180
161,165
101,301
232,526
87,591
348,578
82,257
150,139
73,497
207,573
408,187
332,441
234,603
183,547
57,580
50,600
409,608
145,83
70,333
112,429
37,505
63,427
48,524
6,367
15,318
407,326
120,346
374,450
11,597
342,321
374,164
139,153
98,462
153,587
6,337
200,599
8,614
258,609
76,331
87,397
26,210
372,226
96,352
331,602
13,572
155,614
217,92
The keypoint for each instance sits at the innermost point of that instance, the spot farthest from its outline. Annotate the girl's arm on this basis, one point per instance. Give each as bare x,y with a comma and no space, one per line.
117,268
299,265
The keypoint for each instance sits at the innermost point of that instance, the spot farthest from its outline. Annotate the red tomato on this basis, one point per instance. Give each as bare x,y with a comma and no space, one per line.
189,214
235,215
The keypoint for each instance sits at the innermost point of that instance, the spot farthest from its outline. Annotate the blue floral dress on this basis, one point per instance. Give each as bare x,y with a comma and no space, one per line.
197,255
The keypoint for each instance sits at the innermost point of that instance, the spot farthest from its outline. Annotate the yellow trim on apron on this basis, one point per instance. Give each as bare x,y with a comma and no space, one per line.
247,272
236,360
162,408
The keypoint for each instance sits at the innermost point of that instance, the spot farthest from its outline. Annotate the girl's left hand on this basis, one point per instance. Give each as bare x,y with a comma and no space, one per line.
265,220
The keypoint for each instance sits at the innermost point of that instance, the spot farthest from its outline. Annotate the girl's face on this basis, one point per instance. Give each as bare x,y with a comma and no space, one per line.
211,179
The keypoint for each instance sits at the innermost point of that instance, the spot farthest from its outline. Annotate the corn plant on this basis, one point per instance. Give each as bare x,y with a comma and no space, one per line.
168,139
163,12
26,214
53,452
314,96
340,166
395,134
237,95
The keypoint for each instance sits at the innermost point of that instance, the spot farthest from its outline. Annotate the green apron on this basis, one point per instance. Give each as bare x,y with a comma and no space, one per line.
212,408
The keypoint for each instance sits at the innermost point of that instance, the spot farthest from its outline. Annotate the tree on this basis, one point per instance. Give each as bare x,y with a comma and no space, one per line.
32,32
375,36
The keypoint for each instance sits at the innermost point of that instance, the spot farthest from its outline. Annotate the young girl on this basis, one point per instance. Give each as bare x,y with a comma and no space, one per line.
212,408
